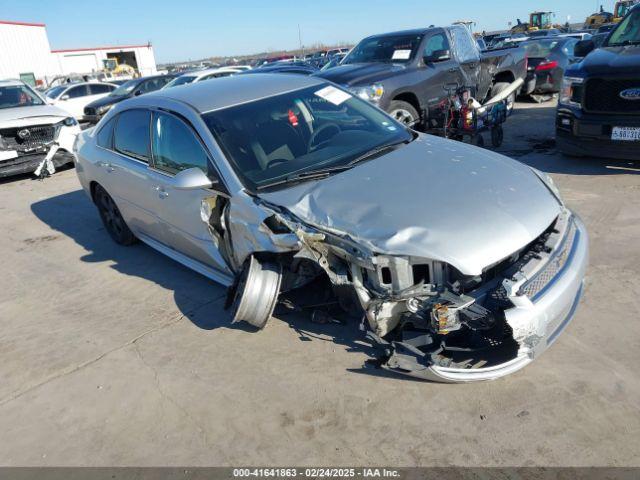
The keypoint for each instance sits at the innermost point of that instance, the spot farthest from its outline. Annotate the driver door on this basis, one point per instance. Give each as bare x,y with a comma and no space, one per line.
176,147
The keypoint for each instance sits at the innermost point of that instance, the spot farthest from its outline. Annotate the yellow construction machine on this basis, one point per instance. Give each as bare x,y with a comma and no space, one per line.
598,19
622,8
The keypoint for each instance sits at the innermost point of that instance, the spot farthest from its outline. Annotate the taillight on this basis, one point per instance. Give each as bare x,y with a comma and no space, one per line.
547,66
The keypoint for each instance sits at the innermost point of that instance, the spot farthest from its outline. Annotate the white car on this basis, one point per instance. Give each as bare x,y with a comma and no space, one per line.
74,97
33,134
201,75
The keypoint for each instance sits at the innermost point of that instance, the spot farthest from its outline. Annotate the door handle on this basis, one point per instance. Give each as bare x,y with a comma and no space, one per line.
107,166
162,193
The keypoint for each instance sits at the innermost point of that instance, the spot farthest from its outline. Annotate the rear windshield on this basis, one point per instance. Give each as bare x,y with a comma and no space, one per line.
386,48
182,80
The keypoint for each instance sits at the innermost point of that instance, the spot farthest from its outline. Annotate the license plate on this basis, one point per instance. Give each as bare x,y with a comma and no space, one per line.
7,154
626,134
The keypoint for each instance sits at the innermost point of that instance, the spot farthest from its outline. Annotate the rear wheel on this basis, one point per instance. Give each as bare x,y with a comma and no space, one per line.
112,219
404,113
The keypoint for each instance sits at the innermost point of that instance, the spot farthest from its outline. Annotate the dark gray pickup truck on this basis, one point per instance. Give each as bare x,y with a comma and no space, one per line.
405,73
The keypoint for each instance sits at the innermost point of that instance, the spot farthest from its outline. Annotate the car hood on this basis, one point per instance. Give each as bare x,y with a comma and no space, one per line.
361,73
433,198
34,115
108,100
612,60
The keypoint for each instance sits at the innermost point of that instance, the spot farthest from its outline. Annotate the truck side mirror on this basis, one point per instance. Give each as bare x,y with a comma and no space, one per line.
437,56
584,48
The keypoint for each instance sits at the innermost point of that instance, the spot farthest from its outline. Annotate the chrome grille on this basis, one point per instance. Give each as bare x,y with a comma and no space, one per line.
25,139
555,265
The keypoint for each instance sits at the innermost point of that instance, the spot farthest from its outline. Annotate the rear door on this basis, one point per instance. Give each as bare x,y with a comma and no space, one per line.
176,147
126,172
74,100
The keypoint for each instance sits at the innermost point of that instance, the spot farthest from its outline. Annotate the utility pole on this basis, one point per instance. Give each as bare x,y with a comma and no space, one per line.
300,40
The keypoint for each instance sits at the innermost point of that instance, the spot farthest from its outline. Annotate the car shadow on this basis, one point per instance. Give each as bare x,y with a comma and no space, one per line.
72,214
197,298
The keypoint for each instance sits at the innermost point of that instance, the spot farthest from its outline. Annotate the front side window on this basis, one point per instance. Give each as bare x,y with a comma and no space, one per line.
175,146
18,96
385,48
321,127
131,136
628,32
125,89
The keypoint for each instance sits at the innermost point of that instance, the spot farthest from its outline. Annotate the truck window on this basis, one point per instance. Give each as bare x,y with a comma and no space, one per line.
436,42
628,32
464,45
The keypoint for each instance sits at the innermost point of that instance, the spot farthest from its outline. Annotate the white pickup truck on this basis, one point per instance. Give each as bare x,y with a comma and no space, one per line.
32,131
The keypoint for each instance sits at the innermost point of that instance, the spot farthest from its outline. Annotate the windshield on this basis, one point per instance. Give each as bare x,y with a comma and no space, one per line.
124,89
321,127
540,48
18,96
628,32
182,80
55,91
387,48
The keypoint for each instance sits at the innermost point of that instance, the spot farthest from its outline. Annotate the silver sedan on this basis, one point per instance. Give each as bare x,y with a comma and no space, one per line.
463,264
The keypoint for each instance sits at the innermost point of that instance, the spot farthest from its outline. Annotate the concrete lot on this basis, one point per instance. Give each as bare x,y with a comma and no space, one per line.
119,356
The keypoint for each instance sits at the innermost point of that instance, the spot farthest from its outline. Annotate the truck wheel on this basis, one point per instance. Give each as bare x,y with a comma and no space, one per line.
404,113
500,87
112,218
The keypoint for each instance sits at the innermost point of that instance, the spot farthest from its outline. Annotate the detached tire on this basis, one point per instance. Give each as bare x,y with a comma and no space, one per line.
404,113
112,218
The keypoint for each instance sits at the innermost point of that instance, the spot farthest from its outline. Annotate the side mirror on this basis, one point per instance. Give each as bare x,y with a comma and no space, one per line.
191,179
64,97
584,48
437,56
137,93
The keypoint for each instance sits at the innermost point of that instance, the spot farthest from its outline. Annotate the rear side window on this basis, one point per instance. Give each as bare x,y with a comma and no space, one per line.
131,135
77,92
97,89
434,43
105,135
175,146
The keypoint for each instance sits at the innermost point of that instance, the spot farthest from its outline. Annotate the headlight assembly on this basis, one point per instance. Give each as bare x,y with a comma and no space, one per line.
70,122
568,93
103,109
371,93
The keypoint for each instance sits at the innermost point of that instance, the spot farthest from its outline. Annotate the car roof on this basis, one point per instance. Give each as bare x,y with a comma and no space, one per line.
415,31
229,91
208,71
10,83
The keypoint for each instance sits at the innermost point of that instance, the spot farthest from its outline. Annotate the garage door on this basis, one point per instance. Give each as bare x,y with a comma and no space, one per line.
80,63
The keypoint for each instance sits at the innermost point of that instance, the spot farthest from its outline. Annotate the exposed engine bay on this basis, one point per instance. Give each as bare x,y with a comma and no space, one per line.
418,312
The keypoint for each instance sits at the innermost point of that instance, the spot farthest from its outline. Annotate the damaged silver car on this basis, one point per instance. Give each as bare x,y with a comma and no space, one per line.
463,265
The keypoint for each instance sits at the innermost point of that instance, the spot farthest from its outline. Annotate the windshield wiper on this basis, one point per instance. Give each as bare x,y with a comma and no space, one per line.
625,43
325,172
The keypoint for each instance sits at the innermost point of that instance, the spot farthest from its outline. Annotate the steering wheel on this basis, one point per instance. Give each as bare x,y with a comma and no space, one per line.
274,162
316,134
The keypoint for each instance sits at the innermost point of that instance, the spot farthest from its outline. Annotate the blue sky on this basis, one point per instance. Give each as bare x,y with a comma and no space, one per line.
193,29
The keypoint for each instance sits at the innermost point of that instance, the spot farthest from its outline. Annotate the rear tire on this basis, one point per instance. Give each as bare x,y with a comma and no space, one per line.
404,113
112,218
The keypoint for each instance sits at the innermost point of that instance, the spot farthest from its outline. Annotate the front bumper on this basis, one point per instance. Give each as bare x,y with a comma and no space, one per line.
92,119
590,134
29,163
544,318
